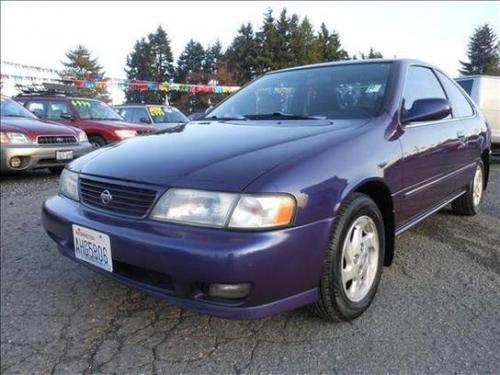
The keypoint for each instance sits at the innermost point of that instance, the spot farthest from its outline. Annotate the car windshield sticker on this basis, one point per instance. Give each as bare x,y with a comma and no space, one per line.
81,103
373,88
157,111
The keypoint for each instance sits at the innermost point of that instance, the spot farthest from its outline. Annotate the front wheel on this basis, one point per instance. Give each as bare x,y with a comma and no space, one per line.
468,204
97,141
353,262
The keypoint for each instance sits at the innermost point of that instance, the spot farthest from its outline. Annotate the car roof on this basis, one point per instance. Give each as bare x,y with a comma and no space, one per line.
353,62
142,105
52,97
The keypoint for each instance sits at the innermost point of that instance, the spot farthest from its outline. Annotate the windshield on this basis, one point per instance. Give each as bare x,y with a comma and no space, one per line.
10,108
95,110
162,114
331,92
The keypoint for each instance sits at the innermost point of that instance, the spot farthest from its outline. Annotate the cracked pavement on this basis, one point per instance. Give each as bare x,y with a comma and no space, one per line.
437,309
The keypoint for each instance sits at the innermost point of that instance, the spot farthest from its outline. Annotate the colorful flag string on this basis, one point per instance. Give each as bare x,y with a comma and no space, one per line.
95,81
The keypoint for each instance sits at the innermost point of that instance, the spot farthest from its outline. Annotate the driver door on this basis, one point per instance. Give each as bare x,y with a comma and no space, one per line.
430,150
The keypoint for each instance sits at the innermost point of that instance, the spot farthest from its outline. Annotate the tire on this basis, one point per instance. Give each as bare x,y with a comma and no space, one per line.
469,204
97,141
338,300
56,170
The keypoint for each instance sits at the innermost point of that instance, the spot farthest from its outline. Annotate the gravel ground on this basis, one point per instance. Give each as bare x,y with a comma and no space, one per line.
437,309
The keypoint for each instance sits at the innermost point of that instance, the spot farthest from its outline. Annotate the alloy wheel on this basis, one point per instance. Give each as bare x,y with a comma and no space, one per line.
360,255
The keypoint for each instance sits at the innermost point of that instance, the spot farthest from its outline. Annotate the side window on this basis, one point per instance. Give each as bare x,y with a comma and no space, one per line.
421,83
460,106
38,108
466,85
56,109
140,113
126,113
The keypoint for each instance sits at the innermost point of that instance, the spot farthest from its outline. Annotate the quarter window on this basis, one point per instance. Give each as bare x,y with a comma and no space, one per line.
459,104
466,85
421,83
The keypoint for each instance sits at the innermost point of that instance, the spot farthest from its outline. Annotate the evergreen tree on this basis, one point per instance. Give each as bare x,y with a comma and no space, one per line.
483,52
151,60
242,55
80,64
306,50
191,63
268,41
282,54
213,55
372,54
329,47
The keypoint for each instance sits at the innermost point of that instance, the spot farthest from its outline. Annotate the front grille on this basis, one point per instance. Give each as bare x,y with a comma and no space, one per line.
126,200
56,140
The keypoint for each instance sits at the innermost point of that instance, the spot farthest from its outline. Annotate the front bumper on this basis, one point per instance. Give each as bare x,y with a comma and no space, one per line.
283,266
36,156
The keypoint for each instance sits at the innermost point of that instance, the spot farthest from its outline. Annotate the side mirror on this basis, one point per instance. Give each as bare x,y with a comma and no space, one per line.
145,120
66,116
37,113
431,109
209,109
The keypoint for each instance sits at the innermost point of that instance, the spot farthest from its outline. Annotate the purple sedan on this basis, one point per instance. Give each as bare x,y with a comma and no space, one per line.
289,193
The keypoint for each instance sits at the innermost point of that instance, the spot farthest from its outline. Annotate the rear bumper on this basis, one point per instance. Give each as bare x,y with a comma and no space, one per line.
36,156
283,266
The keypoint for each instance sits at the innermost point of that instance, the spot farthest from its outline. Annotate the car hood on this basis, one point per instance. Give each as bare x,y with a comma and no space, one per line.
34,127
211,155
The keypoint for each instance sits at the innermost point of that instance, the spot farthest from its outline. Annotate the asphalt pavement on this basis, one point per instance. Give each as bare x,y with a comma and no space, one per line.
437,309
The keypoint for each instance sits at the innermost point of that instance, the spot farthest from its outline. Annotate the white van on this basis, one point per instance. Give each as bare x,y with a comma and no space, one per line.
485,91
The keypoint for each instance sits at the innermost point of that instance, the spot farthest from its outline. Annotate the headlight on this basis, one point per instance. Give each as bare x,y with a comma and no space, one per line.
82,137
194,207
206,208
68,185
15,138
123,134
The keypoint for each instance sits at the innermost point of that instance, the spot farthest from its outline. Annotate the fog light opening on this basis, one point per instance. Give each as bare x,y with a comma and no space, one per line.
229,291
15,162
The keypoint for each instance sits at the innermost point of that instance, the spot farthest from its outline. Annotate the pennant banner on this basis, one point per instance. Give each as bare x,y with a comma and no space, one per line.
96,81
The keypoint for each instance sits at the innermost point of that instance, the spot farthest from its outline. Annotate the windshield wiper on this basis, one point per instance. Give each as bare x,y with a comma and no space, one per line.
12,115
229,118
283,116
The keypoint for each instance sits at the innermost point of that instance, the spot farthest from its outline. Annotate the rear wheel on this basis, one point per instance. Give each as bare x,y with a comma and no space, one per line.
97,141
354,261
469,203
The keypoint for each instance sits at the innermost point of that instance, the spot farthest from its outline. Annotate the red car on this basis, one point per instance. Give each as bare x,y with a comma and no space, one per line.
101,123
29,143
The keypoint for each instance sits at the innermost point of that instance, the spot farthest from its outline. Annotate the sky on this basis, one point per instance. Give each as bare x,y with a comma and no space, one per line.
38,33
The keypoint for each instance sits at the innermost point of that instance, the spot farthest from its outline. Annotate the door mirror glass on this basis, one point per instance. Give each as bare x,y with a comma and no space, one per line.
430,109
38,113
66,116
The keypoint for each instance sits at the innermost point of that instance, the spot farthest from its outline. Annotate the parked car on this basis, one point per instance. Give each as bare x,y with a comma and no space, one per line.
101,123
161,116
28,143
485,91
292,194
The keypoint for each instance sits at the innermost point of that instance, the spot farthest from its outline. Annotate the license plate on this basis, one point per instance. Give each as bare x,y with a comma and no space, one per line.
93,247
64,155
